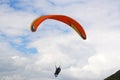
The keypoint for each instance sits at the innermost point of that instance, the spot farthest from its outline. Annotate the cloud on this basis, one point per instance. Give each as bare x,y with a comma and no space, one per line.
33,56
14,23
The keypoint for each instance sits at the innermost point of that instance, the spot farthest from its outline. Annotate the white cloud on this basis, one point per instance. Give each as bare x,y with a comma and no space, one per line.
92,59
14,23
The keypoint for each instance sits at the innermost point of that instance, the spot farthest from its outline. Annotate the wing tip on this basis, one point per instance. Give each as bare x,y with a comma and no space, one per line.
32,28
84,37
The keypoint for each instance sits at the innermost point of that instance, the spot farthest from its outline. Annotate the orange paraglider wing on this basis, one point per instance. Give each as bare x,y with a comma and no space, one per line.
69,21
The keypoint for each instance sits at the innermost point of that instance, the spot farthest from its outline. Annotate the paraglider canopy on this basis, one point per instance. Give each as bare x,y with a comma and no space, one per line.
65,19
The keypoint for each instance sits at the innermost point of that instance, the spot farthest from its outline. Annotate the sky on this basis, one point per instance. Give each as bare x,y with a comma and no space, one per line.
25,55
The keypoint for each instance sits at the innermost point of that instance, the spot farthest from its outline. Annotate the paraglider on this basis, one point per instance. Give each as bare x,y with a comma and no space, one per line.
57,71
62,18
65,19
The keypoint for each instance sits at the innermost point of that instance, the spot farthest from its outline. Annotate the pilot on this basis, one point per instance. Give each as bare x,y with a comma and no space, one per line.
58,69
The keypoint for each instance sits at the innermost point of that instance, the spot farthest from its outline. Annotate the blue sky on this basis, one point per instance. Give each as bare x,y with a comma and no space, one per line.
33,56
